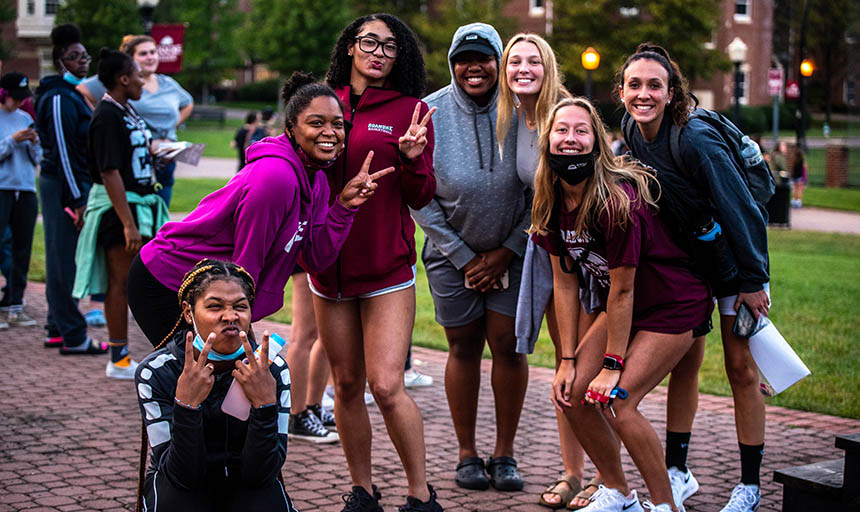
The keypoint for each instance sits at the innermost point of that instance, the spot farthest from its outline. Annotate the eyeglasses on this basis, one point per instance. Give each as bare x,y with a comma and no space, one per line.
84,57
368,44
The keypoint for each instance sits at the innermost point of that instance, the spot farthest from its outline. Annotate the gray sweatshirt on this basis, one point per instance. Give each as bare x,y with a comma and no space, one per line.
480,202
18,160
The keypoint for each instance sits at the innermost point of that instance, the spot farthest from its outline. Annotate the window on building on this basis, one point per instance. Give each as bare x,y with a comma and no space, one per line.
31,7
744,76
51,7
537,7
850,92
743,11
46,62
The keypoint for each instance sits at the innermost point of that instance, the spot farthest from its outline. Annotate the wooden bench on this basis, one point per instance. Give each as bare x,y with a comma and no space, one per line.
208,113
829,485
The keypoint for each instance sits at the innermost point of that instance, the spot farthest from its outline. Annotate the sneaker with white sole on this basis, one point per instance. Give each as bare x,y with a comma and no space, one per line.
684,485
3,325
413,379
305,426
325,416
20,319
745,498
663,507
121,372
611,500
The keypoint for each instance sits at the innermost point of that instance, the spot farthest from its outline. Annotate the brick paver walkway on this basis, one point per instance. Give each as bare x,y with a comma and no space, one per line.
69,438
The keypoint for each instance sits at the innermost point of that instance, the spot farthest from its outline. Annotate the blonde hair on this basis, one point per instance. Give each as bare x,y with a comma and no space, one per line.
130,42
551,91
603,193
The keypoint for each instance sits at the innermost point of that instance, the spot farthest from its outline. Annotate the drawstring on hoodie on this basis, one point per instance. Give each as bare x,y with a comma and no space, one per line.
478,138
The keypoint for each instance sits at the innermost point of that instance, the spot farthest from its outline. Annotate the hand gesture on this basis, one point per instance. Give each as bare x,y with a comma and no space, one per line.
758,302
133,240
196,380
79,217
415,139
485,274
603,384
562,384
25,134
362,185
254,375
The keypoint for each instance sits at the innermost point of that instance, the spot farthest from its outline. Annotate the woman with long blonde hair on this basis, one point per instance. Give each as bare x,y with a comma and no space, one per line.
596,215
531,84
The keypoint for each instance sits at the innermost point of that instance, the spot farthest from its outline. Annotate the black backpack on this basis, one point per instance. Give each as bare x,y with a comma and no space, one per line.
747,155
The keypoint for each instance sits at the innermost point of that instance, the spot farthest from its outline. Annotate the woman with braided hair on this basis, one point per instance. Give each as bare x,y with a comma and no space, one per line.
204,459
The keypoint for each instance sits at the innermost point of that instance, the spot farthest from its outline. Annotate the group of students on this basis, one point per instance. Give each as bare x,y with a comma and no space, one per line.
526,213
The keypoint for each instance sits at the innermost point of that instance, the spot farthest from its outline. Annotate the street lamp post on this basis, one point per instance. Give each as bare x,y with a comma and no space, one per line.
737,51
146,9
590,61
806,69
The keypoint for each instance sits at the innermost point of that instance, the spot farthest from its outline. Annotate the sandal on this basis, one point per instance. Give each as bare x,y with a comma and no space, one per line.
585,494
93,348
565,488
471,474
504,475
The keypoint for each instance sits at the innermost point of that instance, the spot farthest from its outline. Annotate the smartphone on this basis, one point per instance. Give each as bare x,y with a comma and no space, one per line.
505,282
745,323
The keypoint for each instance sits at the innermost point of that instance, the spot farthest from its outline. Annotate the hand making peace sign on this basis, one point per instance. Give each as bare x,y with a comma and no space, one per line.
362,185
196,380
415,139
254,375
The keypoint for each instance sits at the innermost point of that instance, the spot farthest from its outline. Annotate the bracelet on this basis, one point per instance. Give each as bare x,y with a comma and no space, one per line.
613,362
187,406
568,358
266,405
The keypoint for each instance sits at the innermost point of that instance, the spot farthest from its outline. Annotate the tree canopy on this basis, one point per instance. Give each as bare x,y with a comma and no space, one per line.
103,23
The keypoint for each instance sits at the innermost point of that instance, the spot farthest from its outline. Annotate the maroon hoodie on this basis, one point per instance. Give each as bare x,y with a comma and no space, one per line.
380,249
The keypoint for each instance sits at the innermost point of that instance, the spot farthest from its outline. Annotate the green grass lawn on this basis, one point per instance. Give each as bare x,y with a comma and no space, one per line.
833,198
216,138
187,192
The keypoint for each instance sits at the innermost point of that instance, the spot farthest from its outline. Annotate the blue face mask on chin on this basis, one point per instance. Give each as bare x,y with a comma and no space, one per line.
72,79
213,355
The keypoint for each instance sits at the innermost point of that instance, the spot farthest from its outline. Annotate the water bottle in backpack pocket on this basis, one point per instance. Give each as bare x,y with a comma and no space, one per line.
712,254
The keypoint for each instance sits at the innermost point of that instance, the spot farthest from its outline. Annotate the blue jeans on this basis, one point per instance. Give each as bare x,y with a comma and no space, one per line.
18,210
61,240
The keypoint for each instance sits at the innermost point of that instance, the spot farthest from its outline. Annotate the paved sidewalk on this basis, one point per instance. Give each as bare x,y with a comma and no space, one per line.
69,438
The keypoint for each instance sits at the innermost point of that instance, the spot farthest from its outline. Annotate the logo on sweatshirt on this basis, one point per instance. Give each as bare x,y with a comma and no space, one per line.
297,236
384,128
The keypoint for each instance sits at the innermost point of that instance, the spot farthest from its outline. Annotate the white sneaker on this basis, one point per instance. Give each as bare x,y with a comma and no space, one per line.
413,379
328,398
684,485
121,372
663,507
611,500
745,498
20,319
3,325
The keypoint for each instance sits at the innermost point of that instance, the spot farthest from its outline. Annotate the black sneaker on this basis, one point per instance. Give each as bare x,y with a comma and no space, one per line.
416,505
305,426
358,500
325,415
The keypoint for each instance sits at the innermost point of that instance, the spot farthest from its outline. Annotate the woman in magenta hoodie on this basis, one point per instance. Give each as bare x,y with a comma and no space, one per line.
275,209
365,301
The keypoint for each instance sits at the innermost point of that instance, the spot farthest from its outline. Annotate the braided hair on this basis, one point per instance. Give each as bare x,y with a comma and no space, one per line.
408,76
194,284
682,102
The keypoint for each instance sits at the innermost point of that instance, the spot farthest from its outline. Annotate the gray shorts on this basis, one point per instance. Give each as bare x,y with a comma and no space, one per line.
457,305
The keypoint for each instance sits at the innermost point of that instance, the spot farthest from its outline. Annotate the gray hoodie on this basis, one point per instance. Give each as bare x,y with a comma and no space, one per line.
480,203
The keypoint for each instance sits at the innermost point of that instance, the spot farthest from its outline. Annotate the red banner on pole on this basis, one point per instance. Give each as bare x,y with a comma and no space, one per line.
169,41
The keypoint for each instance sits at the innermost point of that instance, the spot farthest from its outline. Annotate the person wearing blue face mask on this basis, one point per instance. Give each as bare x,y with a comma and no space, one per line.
209,452
62,121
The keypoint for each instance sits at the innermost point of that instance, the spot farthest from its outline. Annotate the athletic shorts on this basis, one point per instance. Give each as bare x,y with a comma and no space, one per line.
375,293
457,305
726,304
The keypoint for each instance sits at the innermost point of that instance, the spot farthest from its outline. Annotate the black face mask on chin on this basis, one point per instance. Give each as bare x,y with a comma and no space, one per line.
573,169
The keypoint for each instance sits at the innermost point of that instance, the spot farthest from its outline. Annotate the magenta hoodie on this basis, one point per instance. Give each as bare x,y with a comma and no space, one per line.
267,215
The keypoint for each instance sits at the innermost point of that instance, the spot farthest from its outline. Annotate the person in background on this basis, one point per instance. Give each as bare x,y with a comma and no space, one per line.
798,178
164,104
63,120
20,153
242,139
473,254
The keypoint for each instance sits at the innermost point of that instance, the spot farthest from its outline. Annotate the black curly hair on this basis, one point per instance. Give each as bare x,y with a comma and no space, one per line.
112,65
298,92
408,75
63,36
682,102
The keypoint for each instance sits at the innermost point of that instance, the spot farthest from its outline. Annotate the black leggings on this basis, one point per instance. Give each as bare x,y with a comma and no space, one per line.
155,307
161,495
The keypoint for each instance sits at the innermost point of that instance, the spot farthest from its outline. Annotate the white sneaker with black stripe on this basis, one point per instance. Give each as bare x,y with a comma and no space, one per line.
611,500
684,485
305,426
745,498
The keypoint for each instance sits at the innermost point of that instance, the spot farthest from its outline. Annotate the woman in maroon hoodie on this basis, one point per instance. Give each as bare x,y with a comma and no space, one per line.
365,302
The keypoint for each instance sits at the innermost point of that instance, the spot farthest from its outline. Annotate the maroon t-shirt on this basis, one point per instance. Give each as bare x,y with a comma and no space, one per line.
667,297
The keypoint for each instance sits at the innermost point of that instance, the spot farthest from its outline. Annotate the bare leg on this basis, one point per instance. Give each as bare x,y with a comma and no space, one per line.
743,378
319,374
387,322
683,393
341,333
509,377
463,380
303,334
116,298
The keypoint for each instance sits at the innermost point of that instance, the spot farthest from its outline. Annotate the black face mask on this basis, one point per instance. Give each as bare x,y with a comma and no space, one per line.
573,169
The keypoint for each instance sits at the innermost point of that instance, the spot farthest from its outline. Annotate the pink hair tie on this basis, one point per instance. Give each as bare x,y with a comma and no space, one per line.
3,94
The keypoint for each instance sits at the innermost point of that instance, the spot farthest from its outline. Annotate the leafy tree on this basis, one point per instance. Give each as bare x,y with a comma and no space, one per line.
7,14
290,35
615,28
103,23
